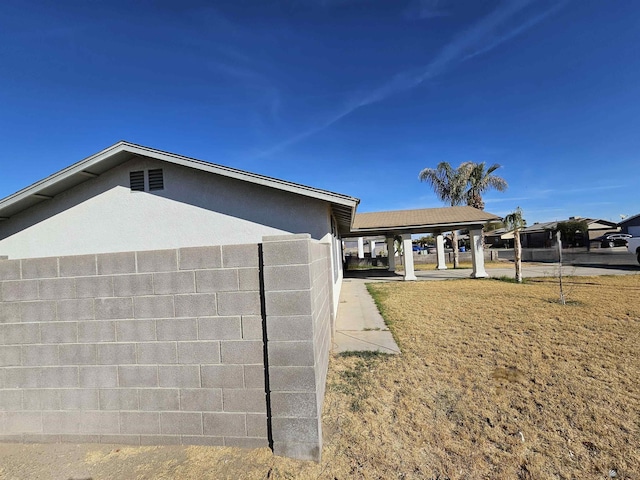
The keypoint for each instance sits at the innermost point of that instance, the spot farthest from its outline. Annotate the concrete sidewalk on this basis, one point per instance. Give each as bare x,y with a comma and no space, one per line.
359,326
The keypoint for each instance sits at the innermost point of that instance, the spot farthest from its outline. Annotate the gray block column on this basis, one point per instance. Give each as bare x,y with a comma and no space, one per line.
292,351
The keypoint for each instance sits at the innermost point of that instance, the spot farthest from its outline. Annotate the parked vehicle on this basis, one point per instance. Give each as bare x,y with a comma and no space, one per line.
613,240
633,245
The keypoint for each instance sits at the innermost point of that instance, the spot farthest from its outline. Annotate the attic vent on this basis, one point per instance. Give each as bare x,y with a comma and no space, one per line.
136,180
156,179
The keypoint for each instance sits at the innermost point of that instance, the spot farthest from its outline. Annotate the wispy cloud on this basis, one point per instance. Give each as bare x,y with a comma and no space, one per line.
425,9
503,24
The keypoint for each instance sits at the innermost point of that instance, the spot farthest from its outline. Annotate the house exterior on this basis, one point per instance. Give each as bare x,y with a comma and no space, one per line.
631,225
151,298
542,235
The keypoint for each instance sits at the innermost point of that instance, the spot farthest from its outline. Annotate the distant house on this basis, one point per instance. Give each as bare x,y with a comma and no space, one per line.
542,235
631,225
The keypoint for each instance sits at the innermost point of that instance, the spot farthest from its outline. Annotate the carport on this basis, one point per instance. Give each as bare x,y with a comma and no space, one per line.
435,221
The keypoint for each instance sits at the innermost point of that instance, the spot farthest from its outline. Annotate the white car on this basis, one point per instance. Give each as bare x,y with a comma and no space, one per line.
633,245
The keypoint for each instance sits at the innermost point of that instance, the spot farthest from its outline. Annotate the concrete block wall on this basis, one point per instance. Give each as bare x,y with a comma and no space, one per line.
297,298
150,347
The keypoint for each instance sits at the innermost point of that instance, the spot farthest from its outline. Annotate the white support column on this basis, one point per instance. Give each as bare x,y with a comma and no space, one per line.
360,247
372,249
477,254
391,249
442,264
407,249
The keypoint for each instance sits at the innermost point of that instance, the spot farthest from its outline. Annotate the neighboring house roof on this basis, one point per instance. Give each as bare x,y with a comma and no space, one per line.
421,219
343,206
593,223
629,219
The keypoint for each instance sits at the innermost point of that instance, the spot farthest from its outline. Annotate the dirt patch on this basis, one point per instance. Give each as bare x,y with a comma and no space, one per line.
496,380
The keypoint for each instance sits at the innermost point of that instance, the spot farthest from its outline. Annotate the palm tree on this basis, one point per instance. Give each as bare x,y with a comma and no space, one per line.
515,222
449,185
479,180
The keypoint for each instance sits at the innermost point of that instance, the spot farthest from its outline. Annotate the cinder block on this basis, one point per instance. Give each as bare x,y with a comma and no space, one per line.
225,424
290,277
9,270
201,399
138,376
254,376
221,280
79,399
154,307
157,353
40,267
22,422
20,333
89,332
78,265
136,330
58,377
157,261
159,399
296,429
160,440
35,399
299,450
222,376
59,332
179,376
196,305
116,353
242,352
244,400
288,303
61,422
291,354
294,404
9,356
81,309
78,438
77,354
181,423
120,439
118,399
174,282
10,400
194,258
99,422
19,290
37,355
252,327
133,285
257,425
199,352
116,263
38,311
92,287
98,376
10,312
205,441
239,256
220,328
177,329
40,438
295,327
112,308
248,279
239,303
292,379
245,442
288,252
56,288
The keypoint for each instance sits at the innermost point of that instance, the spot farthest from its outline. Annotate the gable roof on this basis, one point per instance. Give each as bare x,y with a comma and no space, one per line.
629,219
415,220
542,226
343,206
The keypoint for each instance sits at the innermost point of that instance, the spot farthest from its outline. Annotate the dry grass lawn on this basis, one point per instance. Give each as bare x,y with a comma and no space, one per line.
496,381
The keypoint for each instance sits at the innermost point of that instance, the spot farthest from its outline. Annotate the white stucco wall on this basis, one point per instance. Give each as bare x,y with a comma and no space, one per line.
195,208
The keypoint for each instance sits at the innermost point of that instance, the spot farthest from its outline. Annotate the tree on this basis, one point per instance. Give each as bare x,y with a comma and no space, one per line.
572,231
479,180
449,185
515,222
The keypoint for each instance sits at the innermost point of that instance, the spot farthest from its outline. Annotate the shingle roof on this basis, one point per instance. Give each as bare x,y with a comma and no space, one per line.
429,218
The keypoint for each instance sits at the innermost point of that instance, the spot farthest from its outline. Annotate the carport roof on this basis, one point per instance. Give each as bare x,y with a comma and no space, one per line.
418,221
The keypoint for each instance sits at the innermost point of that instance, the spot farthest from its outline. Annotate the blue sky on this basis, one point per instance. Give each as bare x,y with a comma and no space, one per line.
351,96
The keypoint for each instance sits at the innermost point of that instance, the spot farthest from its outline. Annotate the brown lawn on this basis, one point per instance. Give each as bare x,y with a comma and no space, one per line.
496,381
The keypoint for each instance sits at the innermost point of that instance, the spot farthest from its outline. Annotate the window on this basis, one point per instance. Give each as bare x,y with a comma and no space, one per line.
136,181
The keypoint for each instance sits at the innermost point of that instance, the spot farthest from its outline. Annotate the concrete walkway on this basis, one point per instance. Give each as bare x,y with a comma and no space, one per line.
359,326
